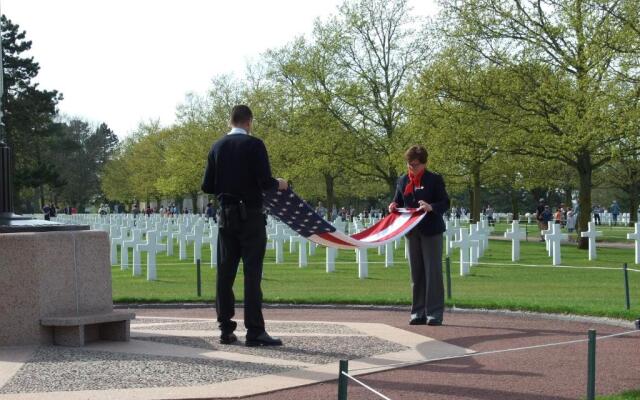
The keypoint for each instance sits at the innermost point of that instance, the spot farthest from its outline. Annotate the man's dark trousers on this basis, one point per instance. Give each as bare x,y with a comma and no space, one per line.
244,240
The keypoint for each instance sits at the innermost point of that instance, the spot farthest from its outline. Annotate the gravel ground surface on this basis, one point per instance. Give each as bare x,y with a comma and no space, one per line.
290,327
309,349
538,374
64,369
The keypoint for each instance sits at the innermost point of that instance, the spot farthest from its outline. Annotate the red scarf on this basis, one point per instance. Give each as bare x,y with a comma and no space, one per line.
414,181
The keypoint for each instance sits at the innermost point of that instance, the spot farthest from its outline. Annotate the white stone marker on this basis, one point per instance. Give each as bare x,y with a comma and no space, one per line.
116,240
183,232
516,235
464,243
293,239
554,238
592,234
331,259
363,263
212,240
136,239
152,247
406,248
278,238
476,241
196,238
388,254
302,257
636,236
170,236
549,229
449,234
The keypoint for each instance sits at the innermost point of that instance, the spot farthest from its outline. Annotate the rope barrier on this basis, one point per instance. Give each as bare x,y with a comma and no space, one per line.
551,266
365,385
482,353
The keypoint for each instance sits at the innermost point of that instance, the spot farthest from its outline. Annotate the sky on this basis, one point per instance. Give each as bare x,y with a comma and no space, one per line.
129,61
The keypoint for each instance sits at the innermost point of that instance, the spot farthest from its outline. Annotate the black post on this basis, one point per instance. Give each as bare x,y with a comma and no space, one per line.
199,278
626,285
591,368
6,187
343,380
448,270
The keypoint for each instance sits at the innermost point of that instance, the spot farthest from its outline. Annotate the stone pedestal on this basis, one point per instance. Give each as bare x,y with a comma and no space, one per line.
62,274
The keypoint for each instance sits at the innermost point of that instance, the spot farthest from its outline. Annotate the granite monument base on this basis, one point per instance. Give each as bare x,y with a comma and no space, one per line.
55,287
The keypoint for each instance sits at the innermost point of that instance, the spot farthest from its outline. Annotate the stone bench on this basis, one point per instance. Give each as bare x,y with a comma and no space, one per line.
80,329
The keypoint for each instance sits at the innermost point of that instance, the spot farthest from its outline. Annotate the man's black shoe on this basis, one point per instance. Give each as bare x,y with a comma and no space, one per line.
434,322
228,338
418,321
263,340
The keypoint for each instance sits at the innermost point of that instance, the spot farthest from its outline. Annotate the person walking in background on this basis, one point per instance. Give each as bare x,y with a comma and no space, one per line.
571,220
542,225
238,172
425,190
596,214
615,211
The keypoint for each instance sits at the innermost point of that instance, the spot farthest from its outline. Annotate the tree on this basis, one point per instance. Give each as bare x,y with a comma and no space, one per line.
357,68
559,57
28,111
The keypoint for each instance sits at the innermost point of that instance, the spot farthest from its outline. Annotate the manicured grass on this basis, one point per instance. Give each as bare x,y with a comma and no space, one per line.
506,286
632,395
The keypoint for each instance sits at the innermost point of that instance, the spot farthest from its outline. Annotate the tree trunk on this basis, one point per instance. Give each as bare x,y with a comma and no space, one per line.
585,171
514,205
633,205
331,196
475,204
194,203
567,196
41,189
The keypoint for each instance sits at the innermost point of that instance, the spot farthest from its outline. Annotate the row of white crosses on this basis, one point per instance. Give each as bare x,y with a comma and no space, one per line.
471,241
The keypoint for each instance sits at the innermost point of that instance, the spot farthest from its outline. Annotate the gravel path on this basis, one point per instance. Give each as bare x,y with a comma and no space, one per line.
537,374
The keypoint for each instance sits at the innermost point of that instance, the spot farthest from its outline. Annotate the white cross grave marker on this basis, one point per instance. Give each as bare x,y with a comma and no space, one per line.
136,239
554,238
331,259
516,235
449,234
592,234
636,236
363,264
152,247
464,243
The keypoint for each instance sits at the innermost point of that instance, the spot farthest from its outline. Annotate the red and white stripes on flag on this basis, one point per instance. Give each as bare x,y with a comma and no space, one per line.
390,228
289,208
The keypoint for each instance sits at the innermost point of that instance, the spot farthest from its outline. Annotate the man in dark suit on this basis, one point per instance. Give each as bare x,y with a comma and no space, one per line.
426,190
238,172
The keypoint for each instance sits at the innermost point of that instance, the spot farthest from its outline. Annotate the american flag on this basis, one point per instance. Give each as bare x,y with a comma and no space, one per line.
289,208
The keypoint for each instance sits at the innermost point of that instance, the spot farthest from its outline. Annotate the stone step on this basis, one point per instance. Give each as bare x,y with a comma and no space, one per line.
77,330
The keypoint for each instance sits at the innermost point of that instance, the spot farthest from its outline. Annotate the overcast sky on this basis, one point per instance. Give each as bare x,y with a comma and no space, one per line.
127,61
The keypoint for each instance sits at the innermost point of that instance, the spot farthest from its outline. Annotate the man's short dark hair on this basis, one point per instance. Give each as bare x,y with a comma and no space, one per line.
241,114
416,152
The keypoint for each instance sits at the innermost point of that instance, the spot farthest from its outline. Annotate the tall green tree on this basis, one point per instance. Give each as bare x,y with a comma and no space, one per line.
560,57
28,111
357,67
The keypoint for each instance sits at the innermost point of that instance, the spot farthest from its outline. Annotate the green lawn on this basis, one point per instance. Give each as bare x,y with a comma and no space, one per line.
632,395
505,286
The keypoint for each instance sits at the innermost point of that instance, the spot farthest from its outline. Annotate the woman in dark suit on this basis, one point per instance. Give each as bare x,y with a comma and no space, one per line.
424,189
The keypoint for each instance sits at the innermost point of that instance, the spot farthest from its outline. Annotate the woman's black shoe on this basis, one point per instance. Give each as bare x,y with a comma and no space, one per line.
418,321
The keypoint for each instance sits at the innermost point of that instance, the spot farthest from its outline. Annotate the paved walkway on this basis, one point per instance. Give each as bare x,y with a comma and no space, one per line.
174,354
